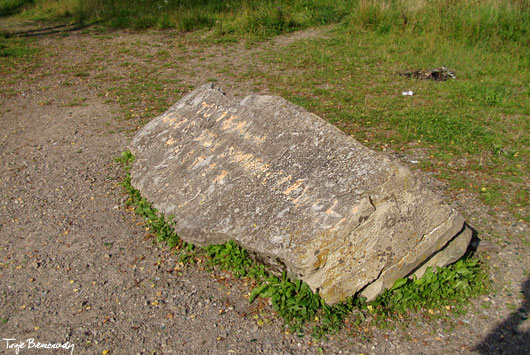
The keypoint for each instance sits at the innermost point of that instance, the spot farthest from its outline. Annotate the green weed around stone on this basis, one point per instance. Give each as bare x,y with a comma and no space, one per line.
448,286
157,223
230,256
302,309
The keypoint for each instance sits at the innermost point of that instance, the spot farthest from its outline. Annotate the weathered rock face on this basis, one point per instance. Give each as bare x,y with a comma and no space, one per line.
293,189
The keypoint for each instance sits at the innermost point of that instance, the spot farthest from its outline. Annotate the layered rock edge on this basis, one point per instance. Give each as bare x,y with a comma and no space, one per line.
295,191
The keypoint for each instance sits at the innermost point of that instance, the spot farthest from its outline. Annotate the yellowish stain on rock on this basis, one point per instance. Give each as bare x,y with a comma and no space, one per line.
174,120
255,165
205,107
210,111
302,198
187,157
197,161
265,168
170,141
322,259
168,119
284,179
240,127
220,179
206,138
330,210
223,115
210,167
179,123
228,122
248,161
293,187
240,156
254,138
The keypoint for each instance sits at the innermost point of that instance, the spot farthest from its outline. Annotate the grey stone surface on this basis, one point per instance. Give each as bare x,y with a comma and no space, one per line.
293,189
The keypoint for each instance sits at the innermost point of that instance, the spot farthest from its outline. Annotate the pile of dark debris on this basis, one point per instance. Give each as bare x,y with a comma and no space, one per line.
438,74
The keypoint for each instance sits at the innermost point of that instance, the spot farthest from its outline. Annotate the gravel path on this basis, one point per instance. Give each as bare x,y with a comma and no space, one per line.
76,266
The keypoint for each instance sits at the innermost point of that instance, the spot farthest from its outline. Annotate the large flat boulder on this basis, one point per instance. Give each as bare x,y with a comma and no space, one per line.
294,190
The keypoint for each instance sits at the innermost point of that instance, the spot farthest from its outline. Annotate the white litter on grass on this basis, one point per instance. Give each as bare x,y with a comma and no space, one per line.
407,93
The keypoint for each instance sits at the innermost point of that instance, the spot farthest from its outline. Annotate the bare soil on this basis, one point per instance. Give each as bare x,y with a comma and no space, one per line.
77,265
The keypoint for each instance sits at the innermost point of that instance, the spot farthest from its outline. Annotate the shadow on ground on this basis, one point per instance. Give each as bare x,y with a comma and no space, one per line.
39,32
506,338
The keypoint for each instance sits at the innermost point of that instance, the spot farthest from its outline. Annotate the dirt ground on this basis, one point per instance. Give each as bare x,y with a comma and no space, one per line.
76,265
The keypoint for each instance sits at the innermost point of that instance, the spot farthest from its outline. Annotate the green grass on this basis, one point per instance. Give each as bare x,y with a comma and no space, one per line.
474,21
448,286
258,18
15,49
14,54
441,289
9,7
